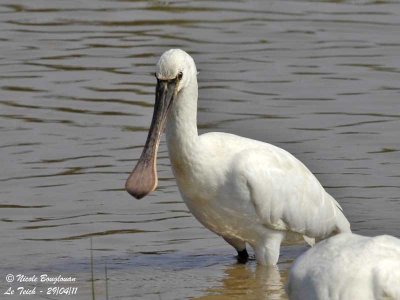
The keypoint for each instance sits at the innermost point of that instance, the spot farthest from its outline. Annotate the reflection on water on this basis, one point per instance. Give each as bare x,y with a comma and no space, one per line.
249,282
318,78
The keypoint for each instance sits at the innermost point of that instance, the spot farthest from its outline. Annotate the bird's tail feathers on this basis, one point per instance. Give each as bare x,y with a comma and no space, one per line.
342,224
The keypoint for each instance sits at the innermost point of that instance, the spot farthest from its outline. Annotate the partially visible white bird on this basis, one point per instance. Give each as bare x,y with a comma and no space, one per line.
244,190
348,267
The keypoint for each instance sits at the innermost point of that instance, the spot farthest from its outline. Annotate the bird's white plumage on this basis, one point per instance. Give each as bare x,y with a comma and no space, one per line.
244,190
346,267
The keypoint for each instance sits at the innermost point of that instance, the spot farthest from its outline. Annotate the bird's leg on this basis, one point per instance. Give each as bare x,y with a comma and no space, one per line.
267,253
243,256
240,247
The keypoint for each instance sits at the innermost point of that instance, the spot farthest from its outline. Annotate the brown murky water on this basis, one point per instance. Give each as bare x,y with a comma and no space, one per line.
318,78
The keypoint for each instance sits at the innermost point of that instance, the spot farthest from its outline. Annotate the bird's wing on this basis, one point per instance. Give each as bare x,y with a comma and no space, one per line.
286,195
386,276
348,266
383,253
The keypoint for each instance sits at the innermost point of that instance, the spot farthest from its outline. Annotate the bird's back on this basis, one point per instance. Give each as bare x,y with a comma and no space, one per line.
283,192
348,266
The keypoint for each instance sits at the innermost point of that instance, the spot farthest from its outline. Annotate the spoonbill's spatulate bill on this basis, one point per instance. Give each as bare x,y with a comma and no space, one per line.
244,190
348,267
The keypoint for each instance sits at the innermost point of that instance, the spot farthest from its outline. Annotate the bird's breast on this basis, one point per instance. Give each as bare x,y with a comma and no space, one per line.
195,180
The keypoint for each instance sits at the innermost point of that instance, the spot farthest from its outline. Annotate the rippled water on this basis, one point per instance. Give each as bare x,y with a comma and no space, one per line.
318,78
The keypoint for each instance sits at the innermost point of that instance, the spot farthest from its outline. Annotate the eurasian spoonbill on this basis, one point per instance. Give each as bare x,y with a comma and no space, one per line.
347,267
244,190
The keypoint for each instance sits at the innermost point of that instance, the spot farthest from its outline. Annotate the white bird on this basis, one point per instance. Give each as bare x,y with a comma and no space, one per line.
347,267
244,190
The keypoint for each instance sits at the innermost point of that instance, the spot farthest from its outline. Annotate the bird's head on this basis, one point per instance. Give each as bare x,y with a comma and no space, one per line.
175,65
175,70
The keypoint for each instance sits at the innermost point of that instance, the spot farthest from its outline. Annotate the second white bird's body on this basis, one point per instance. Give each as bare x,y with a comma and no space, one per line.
244,190
348,267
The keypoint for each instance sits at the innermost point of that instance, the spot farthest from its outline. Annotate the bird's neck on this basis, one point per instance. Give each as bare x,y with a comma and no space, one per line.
181,130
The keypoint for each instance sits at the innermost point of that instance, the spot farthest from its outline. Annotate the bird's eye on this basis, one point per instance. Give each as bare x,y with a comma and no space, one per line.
180,75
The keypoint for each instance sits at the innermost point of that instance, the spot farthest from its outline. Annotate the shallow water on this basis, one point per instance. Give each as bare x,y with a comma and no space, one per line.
318,78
